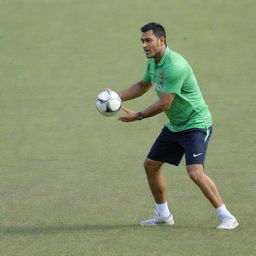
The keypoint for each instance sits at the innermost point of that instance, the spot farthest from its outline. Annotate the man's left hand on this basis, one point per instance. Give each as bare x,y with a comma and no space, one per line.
130,117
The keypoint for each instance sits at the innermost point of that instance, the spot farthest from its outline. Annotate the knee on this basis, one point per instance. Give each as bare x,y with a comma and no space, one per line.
151,166
195,172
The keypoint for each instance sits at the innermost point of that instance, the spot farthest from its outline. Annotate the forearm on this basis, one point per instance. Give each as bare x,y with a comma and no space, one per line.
159,106
164,103
131,116
134,91
152,110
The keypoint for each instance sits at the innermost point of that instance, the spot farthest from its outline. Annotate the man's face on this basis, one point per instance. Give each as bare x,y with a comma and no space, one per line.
152,45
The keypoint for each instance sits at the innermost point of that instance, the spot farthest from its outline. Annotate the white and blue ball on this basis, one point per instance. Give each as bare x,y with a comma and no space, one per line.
108,103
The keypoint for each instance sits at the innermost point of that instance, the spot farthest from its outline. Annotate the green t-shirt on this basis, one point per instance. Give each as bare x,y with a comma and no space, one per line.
173,74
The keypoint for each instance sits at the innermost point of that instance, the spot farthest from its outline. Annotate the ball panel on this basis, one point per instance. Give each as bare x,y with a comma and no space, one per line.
114,95
114,104
101,106
103,96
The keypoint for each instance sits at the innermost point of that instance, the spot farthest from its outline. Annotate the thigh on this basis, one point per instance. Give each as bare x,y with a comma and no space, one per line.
196,144
166,149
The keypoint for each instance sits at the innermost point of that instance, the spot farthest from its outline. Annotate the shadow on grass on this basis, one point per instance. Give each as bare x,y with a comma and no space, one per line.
84,228
62,228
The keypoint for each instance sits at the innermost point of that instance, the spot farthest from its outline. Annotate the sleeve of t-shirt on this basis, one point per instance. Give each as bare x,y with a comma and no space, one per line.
173,79
146,76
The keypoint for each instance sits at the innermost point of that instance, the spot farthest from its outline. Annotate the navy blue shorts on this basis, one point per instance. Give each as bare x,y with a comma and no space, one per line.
170,147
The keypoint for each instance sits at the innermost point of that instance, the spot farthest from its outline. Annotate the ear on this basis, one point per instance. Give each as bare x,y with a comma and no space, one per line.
162,40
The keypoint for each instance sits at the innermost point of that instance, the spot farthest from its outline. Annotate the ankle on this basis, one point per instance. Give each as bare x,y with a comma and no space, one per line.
223,212
163,210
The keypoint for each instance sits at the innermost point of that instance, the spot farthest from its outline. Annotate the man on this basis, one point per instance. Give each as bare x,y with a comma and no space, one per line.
188,130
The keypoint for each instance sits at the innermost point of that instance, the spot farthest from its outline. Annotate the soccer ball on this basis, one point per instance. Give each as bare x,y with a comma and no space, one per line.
108,102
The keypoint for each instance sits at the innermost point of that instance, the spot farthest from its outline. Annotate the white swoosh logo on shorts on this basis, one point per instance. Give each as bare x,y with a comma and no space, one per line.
196,155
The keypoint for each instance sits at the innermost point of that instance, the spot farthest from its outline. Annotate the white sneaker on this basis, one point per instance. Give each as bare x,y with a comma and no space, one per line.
158,220
228,223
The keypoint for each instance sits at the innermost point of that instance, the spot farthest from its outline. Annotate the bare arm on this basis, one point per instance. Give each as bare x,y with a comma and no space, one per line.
159,106
135,90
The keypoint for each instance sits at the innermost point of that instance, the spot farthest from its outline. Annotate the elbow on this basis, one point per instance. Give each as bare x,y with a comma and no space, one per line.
166,100
165,106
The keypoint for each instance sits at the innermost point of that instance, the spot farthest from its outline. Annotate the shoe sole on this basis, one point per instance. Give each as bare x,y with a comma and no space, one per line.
159,224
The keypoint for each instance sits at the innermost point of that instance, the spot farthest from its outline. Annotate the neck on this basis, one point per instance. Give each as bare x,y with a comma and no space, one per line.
159,56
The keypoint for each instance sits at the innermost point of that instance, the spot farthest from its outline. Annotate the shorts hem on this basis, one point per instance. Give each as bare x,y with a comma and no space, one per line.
195,163
164,161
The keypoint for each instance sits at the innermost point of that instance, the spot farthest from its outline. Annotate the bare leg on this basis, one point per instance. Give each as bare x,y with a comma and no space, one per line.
208,187
155,180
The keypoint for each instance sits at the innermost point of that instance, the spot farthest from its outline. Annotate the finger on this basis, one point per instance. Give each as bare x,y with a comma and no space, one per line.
123,119
126,109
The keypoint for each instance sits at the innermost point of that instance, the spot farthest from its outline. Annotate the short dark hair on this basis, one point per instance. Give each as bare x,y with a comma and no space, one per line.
157,29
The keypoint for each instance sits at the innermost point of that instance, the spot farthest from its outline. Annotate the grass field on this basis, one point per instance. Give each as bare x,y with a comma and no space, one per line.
71,180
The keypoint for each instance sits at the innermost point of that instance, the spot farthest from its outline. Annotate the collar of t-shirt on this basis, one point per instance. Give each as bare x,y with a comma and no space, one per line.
165,56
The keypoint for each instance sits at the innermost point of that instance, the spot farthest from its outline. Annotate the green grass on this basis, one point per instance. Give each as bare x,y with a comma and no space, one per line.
71,180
